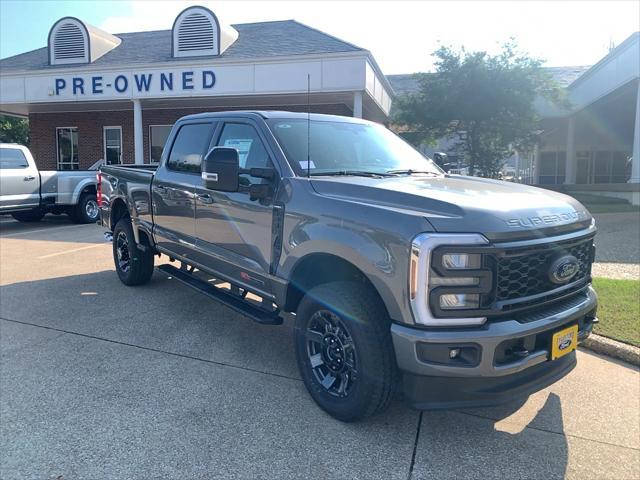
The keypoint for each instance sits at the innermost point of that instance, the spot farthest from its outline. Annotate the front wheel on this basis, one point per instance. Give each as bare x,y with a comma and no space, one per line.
344,350
133,265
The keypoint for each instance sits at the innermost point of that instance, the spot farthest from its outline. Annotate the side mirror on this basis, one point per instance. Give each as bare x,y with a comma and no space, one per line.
221,169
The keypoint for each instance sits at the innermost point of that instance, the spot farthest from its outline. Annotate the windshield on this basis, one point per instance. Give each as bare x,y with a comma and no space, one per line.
347,148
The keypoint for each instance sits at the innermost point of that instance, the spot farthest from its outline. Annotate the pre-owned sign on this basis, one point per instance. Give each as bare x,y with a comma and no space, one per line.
120,83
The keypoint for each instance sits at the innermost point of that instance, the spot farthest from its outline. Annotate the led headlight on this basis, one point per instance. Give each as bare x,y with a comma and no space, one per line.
458,261
459,301
444,280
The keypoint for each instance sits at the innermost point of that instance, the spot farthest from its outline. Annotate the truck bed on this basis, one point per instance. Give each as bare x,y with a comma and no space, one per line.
130,173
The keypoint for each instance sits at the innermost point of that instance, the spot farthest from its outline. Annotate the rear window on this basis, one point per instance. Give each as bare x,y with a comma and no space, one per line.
189,147
12,158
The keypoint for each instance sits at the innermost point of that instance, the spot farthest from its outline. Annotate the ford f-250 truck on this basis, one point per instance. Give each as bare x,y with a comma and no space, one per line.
28,194
455,291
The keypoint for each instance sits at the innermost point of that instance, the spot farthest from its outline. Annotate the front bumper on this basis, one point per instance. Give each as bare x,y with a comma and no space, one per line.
491,373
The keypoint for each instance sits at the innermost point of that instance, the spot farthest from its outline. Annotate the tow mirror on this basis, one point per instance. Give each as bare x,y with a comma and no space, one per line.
220,169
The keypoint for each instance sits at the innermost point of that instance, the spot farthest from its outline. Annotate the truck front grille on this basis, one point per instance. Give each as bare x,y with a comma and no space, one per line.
524,272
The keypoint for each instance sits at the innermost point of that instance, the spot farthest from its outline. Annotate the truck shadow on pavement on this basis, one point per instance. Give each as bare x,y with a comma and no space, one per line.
53,228
117,348
494,443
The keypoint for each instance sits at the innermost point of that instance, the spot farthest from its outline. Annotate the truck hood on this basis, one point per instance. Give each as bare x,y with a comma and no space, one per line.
497,209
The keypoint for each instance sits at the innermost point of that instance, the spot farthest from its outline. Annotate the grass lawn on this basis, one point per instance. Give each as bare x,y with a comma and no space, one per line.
618,309
611,208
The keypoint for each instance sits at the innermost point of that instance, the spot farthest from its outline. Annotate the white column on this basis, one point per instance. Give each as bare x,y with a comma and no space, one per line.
570,172
635,162
137,132
357,104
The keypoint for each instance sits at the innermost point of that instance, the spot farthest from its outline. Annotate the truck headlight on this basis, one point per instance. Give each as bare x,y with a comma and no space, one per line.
445,280
457,261
459,301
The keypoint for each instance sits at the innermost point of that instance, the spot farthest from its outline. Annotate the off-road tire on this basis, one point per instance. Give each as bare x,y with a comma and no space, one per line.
28,216
86,211
363,314
140,265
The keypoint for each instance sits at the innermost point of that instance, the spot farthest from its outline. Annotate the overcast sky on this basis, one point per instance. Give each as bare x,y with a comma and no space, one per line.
401,35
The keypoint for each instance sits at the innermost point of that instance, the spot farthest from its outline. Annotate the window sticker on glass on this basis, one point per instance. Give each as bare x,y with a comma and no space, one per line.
304,164
243,145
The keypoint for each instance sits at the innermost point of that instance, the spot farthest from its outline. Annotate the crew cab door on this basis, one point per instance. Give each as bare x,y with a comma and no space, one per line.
173,188
233,232
19,179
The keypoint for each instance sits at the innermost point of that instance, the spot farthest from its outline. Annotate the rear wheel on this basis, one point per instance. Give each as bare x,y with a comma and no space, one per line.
344,350
28,216
133,265
87,210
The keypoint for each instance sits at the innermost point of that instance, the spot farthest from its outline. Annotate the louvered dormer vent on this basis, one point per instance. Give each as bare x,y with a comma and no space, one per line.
73,41
69,42
195,33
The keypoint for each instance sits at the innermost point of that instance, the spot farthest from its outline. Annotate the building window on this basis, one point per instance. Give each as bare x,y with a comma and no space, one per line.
603,167
552,168
158,135
67,142
112,145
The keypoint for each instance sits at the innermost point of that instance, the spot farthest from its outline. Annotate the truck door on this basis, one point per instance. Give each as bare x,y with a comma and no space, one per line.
233,232
173,189
19,181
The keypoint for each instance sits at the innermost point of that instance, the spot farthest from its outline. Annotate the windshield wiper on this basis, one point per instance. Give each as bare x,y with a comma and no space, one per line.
355,173
411,172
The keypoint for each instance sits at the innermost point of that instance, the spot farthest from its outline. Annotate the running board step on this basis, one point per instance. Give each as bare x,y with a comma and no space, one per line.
256,314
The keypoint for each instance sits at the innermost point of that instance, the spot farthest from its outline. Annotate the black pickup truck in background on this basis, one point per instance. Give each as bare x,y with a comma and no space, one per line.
456,291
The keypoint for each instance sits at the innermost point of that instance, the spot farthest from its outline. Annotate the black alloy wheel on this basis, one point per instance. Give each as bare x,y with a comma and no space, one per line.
344,349
134,263
331,353
122,252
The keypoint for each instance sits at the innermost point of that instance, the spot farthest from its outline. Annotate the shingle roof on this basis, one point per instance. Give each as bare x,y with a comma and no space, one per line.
408,83
255,40
565,76
405,83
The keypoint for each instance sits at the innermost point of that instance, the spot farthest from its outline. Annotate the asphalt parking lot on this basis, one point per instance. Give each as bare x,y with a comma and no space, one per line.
99,380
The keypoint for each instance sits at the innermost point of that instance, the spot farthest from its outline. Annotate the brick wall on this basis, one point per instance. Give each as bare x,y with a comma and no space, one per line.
90,125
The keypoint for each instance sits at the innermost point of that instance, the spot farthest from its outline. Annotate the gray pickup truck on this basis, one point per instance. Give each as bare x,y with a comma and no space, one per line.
28,194
452,291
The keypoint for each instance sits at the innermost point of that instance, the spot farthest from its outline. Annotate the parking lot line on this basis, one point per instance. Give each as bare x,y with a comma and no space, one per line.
22,232
71,251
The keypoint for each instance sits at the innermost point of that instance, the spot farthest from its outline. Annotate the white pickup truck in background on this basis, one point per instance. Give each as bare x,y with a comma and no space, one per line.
28,194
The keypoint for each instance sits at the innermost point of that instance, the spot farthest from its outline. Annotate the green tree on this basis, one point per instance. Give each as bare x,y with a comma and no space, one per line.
14,130
484,103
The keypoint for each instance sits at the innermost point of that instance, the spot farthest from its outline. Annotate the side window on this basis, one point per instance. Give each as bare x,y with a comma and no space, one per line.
12,158
252,153
189,147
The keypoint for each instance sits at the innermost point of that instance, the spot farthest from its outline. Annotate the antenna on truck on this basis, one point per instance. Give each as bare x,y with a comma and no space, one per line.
308,125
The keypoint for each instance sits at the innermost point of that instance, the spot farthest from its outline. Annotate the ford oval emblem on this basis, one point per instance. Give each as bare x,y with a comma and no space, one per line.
564,269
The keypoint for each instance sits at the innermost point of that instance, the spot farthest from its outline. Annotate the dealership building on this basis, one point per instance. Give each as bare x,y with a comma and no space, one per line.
91,95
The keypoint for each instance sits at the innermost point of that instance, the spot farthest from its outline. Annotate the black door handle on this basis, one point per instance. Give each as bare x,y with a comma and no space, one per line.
160,188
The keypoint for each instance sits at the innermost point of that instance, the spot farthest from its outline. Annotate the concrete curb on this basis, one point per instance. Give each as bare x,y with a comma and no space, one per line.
612,348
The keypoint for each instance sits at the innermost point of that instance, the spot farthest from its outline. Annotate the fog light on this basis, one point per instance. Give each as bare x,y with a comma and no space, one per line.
454,353
459,300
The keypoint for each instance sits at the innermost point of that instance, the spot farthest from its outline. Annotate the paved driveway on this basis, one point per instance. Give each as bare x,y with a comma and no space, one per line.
103,381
